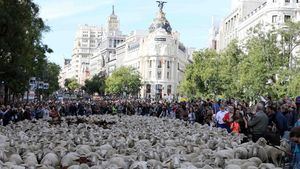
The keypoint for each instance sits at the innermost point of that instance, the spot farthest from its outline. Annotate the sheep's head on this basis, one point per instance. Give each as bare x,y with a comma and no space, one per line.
262,141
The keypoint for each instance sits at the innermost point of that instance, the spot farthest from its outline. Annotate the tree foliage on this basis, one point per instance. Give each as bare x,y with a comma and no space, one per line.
260,67
71,84
123,79
22,52
51,77
95,85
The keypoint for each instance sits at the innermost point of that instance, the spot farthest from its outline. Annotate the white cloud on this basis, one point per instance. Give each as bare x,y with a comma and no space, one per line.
57,9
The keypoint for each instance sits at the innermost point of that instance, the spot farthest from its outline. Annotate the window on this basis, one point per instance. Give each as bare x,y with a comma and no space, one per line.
287,18
159,63
159,75
149,63
288,1
148,88
168,75
169,89
168,64
274,19
149,74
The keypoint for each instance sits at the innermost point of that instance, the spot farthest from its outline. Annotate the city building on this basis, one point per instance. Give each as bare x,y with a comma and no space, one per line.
158,55
246,14
65,72
85,45
104,58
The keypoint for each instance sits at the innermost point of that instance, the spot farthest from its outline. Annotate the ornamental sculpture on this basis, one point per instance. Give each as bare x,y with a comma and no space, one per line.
161,4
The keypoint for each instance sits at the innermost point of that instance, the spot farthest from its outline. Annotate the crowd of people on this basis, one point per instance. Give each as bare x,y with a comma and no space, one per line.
267,118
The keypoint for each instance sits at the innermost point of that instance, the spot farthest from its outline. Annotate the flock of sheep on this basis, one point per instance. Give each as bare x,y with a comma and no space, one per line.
130,142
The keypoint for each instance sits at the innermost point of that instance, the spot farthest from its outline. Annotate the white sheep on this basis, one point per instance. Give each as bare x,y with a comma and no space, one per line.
232,166
50,159
221,155
267,166
15,159
139,165
70,159
240,153
260,152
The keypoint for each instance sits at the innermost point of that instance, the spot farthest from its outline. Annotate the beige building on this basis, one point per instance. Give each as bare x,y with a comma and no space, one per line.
158,55
104,58
246,14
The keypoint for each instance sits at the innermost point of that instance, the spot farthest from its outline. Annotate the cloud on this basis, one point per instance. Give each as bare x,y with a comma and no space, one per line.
57,9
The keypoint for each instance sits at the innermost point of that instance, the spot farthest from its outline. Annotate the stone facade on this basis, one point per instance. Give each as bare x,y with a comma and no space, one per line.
247,14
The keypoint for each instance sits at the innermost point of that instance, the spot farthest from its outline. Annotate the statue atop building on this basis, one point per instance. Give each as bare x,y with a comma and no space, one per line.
161,5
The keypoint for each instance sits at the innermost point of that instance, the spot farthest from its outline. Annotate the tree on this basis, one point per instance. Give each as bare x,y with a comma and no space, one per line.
21,49
123,80
230,59
202,76
71,84
95,85
290,40
51,76
260,65
257,68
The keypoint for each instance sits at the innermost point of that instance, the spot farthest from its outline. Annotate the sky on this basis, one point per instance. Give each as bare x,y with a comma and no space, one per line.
191,18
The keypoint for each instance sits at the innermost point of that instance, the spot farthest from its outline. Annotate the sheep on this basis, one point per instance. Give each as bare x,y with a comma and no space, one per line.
15,159
50,159
267,166
69,159
232,166
30,159
259,151
248,164
139,165
221,155
158,143
154,164
240,153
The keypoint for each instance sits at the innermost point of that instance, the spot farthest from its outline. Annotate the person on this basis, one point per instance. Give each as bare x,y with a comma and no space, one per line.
192,116
258,123
277,118
219,118
228,118
54,114
235,126
295,138
7,115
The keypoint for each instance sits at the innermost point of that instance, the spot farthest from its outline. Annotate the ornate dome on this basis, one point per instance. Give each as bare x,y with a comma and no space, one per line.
160,22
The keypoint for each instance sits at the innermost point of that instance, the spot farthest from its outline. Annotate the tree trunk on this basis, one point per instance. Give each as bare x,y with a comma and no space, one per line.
6,94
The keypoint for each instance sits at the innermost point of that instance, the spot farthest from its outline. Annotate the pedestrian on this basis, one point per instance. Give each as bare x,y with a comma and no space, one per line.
259,122
295,138
235,126
192,116
220,118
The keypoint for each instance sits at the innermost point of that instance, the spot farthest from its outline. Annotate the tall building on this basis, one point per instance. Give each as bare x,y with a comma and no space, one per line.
158,55
104,57
86,43
65,72
246,14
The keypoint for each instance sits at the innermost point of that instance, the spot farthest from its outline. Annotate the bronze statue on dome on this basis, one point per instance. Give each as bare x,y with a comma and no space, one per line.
161,4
